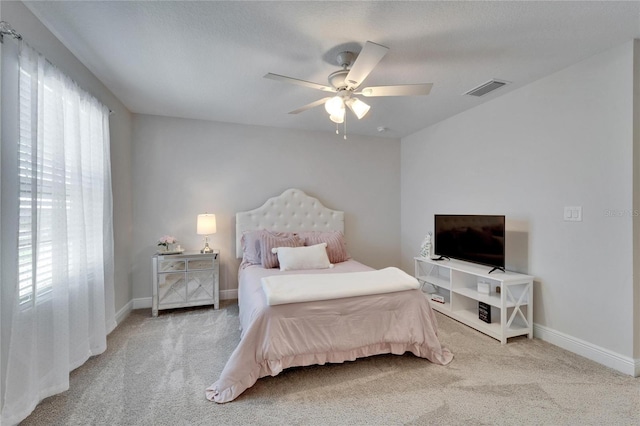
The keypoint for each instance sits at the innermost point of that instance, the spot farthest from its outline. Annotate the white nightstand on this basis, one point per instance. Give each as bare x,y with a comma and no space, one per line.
187,279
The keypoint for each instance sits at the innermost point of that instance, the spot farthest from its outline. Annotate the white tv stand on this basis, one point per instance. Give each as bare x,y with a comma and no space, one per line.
457,283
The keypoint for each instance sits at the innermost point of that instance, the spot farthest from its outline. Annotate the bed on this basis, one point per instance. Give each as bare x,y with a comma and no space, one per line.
278,332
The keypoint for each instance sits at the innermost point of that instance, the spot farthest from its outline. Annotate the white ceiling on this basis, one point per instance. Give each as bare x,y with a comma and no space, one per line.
206,60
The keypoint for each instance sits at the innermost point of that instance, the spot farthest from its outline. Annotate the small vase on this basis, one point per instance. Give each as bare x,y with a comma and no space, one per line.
168,248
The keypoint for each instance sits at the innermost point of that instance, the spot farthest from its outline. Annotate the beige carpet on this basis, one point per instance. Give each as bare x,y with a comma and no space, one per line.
155,371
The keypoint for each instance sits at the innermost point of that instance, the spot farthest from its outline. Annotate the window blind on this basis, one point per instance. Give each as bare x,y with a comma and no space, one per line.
47,184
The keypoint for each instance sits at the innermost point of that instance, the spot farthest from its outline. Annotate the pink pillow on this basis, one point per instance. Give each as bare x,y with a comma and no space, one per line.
336,246
250,242
269,241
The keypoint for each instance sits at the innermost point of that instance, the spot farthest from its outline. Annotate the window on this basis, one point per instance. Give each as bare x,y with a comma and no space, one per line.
49,182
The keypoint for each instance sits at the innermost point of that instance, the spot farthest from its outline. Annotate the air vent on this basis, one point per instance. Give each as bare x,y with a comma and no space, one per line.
487,87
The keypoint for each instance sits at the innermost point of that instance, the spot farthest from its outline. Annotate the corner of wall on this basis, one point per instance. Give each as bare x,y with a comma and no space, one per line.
636,201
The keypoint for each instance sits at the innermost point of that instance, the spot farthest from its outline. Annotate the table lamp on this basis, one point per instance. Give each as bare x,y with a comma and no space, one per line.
206,226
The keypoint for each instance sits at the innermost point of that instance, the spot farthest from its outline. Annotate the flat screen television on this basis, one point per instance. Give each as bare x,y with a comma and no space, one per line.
472,238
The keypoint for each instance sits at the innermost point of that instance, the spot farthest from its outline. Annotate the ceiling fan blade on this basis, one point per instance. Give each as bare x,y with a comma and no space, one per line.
366,61
299,82
399,90
311,105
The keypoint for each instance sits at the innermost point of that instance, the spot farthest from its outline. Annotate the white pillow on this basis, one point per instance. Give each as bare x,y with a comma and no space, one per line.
298,258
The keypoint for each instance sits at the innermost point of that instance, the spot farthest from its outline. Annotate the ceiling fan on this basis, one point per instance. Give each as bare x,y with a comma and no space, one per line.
345,83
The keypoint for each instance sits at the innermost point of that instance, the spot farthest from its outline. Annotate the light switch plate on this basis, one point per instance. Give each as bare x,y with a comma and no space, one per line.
573,213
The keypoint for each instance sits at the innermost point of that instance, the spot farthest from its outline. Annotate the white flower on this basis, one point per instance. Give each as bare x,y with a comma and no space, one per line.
166,240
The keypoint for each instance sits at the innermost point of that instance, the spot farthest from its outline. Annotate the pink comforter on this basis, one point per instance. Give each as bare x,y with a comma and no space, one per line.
299,334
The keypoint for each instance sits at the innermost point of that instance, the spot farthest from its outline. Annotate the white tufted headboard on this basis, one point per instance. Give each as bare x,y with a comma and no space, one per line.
291,211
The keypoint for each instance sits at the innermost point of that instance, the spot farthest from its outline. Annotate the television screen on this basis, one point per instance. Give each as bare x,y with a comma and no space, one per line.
473,238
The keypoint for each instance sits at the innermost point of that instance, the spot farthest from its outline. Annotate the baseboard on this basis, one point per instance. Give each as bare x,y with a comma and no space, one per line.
229,294
123,313
145,302
120,316
142,303
588,350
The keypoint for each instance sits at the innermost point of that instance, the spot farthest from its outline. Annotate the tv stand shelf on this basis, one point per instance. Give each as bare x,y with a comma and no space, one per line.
510,296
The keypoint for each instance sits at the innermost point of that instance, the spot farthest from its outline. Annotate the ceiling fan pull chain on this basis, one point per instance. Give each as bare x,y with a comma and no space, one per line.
337,131
345,127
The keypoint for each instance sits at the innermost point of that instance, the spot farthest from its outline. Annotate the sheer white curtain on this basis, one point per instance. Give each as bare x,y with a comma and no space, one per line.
58,307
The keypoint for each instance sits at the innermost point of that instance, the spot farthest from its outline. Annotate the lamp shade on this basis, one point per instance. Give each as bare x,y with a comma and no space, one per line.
206,224
337,118
334,106
358,107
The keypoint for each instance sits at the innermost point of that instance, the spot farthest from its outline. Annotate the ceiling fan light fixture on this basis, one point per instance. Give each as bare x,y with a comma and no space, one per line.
335,106
338,118
358,107
345,85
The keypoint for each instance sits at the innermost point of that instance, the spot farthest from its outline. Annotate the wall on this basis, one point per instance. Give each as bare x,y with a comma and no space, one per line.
185,167
36,34
565,140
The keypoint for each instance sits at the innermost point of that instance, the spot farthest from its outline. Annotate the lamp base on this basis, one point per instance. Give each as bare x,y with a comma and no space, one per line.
206,248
